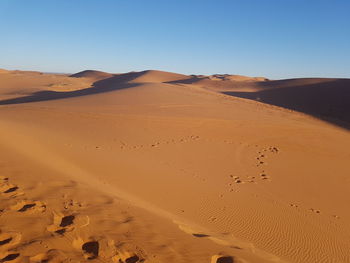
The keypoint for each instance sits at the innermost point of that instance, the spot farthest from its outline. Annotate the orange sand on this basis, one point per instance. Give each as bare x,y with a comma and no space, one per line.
161,167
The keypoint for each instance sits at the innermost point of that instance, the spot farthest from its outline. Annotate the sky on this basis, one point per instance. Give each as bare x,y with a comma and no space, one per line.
270,38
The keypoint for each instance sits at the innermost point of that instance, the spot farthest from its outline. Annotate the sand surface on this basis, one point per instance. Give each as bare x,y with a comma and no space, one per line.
155,166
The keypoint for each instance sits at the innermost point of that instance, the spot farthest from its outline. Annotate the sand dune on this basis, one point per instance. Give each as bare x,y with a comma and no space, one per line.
18,84
136,77
157,76
323,98
92,74
154,166
219,82
228,77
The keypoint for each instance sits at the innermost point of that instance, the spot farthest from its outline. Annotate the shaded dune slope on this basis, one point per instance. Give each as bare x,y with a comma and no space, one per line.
99,86
323,98
220,82
327,99
155,76
92,74
102,82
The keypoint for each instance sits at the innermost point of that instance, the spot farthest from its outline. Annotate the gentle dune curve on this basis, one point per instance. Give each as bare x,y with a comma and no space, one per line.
92,74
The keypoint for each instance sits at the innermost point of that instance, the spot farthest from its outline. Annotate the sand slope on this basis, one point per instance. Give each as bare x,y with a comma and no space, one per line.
93,75
129,169
323,98
17,84
157,76
222,82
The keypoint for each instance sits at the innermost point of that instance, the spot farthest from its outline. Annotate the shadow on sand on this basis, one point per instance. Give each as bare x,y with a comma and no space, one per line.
105,85
328,100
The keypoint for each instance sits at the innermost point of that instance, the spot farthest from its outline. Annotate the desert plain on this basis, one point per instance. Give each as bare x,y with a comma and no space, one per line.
161,167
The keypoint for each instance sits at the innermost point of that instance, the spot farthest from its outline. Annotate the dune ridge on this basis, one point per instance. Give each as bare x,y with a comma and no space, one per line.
92,74
323,98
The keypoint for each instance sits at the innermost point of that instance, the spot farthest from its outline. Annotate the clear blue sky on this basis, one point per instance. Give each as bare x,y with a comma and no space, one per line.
272,38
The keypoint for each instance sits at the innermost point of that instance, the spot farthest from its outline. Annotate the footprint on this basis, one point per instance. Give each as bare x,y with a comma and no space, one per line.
126,257
10,190
236,179
9,257
132,259
273,149
8,240
62,223
264,176
25,205
222,259
315,210
101,249
90,249
200,235
5,241
67,221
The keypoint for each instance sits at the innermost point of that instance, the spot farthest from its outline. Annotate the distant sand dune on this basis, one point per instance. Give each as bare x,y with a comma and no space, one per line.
92,74
322,98
222,82
157,76
327,99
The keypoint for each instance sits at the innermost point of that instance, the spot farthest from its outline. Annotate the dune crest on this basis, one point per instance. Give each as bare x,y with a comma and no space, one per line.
92,74
228,77
157,76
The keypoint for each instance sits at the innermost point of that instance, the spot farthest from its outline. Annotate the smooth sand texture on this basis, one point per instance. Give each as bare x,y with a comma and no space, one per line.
153,167
93,75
